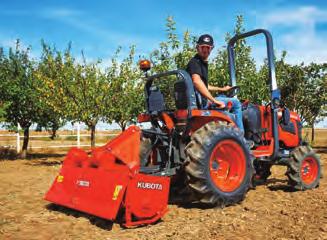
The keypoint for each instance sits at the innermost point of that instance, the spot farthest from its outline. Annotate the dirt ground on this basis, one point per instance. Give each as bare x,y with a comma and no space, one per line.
271,211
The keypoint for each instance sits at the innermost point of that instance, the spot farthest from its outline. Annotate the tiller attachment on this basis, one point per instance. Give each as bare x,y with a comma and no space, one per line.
108,181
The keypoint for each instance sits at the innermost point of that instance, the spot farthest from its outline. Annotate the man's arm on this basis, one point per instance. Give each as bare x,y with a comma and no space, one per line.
218,89
201,87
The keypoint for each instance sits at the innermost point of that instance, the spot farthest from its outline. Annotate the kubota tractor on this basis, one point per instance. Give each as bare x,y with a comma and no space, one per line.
196,153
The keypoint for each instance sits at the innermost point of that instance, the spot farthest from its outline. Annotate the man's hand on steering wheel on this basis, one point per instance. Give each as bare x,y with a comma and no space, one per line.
226,88
219,104
232,91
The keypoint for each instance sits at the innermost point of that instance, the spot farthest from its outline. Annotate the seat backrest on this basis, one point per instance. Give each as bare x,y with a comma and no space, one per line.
156,100
170,91
181,96
286,116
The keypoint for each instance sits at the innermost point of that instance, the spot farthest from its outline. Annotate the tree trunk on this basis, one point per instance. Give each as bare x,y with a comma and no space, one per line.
23,154
93,136
312,133
122,125
54,131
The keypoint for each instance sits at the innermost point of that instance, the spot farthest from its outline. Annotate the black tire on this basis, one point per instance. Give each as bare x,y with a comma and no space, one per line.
197,168
150,153
145,150
294,170
262,172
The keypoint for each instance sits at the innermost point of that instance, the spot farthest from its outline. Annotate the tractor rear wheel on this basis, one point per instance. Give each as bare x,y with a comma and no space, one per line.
218,164
151,155
304,169
145,151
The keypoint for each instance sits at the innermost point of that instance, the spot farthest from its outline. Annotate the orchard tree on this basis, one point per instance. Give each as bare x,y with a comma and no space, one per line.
314,94
162,58
89,92
290,80
3,104
186,52
303,89
51,121
2,112
19,91
49,69
76,91
126,90
173,53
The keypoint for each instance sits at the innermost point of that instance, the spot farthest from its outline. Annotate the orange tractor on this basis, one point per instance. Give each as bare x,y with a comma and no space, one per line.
195,153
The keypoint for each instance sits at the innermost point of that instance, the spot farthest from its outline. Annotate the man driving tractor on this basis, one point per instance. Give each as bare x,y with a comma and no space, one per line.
191,149
198,70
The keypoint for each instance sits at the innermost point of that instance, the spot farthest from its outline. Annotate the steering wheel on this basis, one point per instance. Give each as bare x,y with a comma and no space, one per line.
232,91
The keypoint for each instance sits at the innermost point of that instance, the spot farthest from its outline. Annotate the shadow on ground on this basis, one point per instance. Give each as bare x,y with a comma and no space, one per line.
44,163
11,154
189,205
321,150
185,200
44,156
99,222
7,154
275,184
281,187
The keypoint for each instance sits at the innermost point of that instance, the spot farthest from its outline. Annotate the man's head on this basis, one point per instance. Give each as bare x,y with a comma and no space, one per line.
204,46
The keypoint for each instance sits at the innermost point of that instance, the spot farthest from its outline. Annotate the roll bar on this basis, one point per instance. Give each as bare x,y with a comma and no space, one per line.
275,93
270,55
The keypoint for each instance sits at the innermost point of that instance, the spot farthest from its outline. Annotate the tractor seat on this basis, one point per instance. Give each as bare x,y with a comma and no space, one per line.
156,101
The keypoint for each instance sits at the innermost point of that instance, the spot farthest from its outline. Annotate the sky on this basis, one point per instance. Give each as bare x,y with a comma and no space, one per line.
99,27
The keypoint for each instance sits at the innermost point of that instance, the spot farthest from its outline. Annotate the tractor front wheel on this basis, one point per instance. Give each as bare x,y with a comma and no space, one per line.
219,164
304,169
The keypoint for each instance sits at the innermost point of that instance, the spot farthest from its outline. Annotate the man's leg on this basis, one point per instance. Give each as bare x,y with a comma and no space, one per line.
236,109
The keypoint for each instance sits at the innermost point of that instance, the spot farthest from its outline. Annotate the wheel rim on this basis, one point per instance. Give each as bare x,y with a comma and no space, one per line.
227,165
309,170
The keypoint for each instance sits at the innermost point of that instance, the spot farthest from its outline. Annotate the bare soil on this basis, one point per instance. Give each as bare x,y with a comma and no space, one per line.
271,211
